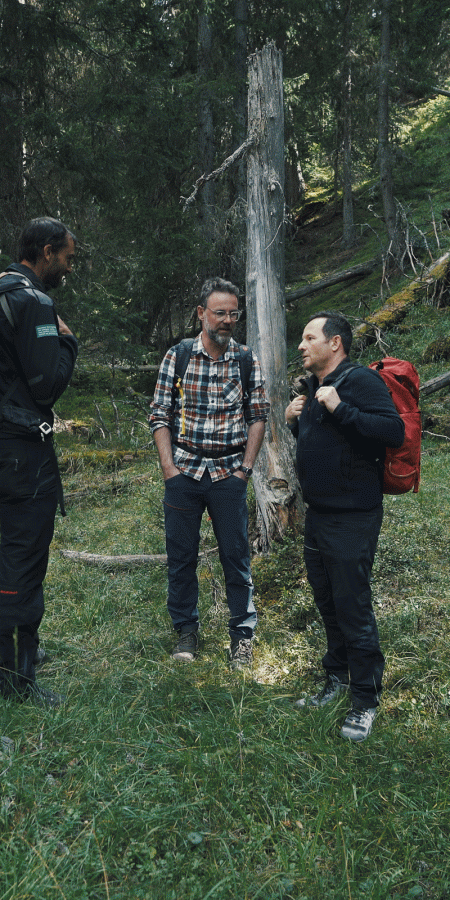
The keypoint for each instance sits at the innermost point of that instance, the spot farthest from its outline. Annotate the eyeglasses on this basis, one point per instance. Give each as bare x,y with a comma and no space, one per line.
221,314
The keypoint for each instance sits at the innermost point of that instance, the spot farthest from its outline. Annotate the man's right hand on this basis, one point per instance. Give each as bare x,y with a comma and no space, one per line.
295,408
170,472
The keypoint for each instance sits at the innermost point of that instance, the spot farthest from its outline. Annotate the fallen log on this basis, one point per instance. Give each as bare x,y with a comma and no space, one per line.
397,307
435,384
356,272
125,561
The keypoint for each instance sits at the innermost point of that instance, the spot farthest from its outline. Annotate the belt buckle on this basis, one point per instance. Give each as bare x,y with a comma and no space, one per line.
45,430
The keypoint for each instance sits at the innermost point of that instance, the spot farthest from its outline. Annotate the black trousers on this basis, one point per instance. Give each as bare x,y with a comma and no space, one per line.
28,499
339,553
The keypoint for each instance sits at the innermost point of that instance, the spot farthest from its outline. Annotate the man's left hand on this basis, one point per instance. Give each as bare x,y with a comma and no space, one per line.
328,397
63,328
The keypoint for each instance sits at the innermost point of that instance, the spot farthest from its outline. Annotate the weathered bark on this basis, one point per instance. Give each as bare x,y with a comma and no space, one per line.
240,97
384,148
127,561
356,272
348,228
276,487
396,308
206,125
295,185
12,205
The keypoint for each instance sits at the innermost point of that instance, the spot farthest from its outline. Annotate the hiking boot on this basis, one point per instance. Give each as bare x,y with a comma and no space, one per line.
186,646
44,697
332,690
358,723
240,654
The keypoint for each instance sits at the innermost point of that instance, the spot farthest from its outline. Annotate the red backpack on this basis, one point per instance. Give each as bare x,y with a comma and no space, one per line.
402,464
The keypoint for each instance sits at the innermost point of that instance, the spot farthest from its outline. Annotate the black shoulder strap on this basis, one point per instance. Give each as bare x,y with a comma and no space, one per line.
245,365
343,376
183,355
24,283
184,350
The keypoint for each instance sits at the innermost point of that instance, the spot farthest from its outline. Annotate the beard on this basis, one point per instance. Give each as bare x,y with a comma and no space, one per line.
53,278
221,338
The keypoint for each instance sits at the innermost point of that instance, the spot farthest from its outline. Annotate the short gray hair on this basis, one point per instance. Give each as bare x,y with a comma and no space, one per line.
217,284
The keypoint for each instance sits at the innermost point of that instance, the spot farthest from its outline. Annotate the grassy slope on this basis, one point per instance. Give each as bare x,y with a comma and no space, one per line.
160,780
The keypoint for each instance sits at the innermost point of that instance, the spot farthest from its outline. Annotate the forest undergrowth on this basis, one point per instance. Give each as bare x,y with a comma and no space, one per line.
188,782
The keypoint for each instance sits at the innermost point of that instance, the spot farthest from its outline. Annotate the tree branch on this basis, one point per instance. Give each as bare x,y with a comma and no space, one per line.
126,561
227,163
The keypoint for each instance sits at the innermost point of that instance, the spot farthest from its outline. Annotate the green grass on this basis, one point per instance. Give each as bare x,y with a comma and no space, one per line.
186,781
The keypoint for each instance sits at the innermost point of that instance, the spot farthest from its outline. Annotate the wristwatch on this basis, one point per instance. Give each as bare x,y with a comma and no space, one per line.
247,472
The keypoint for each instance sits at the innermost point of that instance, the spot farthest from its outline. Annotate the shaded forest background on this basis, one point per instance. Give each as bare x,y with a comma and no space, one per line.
111,110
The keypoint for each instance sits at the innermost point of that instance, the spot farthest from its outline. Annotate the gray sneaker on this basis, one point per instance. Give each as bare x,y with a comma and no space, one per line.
358,723
332,690
240,654
186,646
40,656
44,697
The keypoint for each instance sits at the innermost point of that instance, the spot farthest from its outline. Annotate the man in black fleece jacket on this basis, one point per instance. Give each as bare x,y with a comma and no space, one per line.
342,435
37,356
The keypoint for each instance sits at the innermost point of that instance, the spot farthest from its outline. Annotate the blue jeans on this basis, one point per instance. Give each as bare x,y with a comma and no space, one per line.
185,501
339,553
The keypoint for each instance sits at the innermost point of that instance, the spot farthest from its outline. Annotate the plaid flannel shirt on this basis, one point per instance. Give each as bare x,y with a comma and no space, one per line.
216,415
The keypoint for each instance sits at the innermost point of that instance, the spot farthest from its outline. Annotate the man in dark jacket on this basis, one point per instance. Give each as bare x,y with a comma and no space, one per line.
37,356
342,437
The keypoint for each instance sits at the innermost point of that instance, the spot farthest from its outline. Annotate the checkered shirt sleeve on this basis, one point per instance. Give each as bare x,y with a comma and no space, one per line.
215,412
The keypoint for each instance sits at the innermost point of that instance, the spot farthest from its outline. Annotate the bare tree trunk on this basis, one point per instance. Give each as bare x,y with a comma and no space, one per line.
348,234
240,101
276,487
205,124
12,202
295,185
384,149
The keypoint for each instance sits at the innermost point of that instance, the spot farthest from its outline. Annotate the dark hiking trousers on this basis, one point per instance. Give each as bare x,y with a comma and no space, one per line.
185,501
28,498
339,553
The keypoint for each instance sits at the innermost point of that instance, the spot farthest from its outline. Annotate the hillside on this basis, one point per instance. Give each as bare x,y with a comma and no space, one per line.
314,247
186,782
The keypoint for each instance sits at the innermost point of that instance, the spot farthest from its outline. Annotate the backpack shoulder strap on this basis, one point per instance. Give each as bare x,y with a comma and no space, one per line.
343,376
183,355
183,350
245,366
24,284
7,310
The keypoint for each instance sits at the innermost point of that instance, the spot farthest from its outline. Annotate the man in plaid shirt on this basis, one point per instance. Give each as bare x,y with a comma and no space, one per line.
208,440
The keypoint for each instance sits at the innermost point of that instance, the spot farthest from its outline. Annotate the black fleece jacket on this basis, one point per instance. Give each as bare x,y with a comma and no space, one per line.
31,347
340,455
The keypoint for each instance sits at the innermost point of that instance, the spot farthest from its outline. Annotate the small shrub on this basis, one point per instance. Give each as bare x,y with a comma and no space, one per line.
437,350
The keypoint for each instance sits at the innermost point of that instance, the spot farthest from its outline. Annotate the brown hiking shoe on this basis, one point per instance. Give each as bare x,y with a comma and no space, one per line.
240,654
186,646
